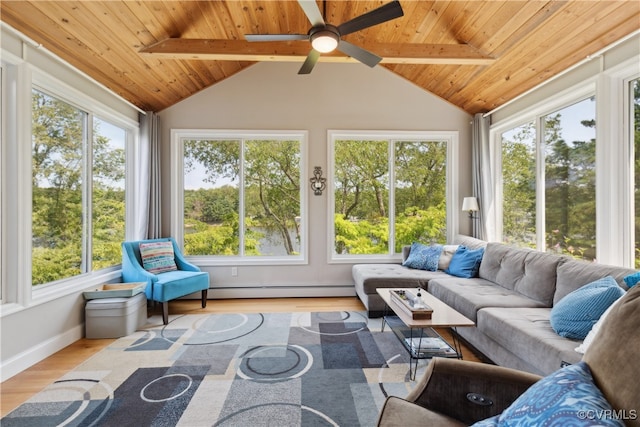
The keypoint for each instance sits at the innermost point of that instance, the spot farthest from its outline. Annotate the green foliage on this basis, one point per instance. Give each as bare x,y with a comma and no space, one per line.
420,225
569,188
58,229
271,177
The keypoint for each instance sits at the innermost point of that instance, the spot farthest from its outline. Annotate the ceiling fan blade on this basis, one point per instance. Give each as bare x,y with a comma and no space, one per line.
377,16
311,9
275,37
359,53
310,62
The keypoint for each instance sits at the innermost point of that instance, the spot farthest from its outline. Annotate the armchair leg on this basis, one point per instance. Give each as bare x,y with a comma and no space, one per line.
204,298
165,312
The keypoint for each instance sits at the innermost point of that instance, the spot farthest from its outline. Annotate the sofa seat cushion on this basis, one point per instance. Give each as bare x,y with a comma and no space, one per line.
373,276
470,295
527,333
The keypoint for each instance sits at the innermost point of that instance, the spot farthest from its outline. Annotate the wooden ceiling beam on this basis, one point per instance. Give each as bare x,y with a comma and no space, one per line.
294,51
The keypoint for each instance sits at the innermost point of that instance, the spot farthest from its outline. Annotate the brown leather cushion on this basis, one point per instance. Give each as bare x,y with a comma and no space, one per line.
613,355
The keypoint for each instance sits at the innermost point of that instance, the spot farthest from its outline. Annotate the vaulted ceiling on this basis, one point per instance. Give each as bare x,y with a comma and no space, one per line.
475,54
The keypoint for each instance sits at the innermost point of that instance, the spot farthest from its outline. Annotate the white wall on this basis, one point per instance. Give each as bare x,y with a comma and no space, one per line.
35,325
334,96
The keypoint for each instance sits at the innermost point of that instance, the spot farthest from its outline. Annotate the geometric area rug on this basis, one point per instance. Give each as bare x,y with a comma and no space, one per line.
270,369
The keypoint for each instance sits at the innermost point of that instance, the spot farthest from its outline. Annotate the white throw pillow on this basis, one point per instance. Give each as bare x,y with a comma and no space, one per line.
446,255
582,348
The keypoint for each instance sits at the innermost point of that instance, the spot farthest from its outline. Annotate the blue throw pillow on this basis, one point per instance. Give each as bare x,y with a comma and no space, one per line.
465,262
423,257
632,279
567,397
575,314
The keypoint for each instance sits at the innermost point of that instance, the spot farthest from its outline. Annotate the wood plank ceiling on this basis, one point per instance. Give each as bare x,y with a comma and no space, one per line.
527,41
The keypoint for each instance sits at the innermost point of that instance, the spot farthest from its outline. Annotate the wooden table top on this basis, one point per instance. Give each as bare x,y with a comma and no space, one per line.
443,316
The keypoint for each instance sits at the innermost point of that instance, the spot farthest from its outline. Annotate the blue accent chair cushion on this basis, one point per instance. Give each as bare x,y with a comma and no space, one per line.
465,262
423,257
575,314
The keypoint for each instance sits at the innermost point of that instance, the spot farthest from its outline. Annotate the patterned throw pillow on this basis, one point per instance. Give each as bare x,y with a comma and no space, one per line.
423,257
575,314
157,257
567,397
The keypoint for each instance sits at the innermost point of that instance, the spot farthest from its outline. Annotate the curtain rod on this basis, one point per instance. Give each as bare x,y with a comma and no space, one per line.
565,71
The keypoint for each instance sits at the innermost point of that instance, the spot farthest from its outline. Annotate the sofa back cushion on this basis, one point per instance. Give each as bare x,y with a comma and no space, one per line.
528,272
613,355
574,273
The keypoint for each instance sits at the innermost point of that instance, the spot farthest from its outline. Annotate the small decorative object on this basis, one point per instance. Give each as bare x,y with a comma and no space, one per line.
470,204
318,183
411,304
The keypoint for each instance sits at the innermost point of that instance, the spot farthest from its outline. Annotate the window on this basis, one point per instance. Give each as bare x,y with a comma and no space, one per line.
388,190
635,135
519,186
548,182
78,175
242,195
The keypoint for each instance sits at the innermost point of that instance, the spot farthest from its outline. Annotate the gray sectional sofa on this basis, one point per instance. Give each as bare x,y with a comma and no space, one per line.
510,301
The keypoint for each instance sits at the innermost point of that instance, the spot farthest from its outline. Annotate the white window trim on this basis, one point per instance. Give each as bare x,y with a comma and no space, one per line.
616,208
178,136
615,214
451,138
17,164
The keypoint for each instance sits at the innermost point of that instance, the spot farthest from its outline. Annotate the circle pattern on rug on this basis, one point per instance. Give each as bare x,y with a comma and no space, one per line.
344,317
221,328
274,363
165,388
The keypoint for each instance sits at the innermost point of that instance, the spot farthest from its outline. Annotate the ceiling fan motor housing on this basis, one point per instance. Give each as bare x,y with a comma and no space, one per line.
324,38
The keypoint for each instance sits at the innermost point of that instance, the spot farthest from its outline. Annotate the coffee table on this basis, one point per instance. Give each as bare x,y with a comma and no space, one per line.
417,331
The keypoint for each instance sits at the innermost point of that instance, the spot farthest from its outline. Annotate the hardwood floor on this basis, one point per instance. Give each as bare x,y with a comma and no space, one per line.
21,387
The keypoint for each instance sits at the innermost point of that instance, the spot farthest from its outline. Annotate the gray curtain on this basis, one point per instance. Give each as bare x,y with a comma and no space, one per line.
149,214
483,167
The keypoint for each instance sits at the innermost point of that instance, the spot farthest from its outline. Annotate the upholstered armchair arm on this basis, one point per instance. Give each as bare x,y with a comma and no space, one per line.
132,271
449,386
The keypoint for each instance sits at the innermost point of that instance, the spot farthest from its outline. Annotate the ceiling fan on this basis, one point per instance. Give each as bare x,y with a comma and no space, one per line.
325,37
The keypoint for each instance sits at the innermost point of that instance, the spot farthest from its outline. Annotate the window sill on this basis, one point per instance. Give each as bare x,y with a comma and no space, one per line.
48,293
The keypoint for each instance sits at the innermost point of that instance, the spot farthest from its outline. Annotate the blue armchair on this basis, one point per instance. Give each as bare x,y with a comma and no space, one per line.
165,286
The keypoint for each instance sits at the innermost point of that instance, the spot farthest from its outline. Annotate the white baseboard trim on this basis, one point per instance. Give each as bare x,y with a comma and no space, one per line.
37,353
281,292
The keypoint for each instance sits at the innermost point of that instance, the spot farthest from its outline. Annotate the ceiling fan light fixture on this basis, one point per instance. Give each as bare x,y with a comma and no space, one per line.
324,41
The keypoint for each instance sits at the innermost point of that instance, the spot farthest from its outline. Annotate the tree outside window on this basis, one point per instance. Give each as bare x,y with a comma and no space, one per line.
388,193
242,197
568,204
68,184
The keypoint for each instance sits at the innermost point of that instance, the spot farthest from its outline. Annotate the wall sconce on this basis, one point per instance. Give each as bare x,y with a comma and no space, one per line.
318,183
470,204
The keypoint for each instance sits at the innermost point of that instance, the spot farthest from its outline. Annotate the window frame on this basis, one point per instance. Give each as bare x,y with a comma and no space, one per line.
452,140
536,114
23,78
178,136
615,243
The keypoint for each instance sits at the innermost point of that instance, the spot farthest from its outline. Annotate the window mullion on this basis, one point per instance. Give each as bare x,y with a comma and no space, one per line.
87,191
391,210
540,182
241,197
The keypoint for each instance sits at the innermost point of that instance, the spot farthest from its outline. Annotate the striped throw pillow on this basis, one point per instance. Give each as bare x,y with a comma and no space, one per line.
157,257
